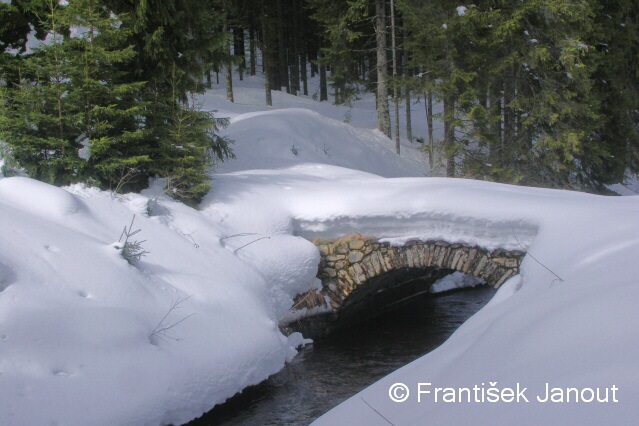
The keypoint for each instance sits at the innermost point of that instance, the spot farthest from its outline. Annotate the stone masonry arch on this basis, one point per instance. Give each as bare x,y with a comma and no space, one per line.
347,264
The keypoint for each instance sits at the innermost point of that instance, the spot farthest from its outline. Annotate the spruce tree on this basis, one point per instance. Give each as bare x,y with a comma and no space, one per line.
188,145
107,107
41,128
176,43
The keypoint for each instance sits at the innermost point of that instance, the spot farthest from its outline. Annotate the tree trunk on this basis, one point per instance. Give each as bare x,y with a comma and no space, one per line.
238,50
265,57
283,63
508,146
313,52
252,51
295,50
449,134
428,105
383,113
495,114
372,71
482,123
395,85
408,74
303,50
409,120
229,65
323,85
304,76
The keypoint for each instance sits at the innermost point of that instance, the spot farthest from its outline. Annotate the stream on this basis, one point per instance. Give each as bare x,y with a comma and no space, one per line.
336,367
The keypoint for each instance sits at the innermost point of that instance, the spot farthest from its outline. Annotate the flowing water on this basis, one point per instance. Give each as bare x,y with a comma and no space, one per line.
334,368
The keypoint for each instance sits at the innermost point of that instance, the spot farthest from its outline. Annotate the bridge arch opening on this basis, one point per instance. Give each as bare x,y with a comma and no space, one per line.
389,291
362,276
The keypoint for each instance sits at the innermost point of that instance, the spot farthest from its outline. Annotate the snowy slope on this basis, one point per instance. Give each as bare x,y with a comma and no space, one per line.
297,129
286,137
76,320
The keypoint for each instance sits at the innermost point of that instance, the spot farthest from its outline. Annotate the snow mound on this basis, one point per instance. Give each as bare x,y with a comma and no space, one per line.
287,137
7,276
77,342
454,281
38,197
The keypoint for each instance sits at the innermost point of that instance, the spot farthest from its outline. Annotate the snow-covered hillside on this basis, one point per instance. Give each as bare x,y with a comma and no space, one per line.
77,322
298,129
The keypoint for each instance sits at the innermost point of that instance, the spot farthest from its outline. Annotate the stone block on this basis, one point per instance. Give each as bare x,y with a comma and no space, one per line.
359,271
469,261
435,255
342,249
368,267
487,271
355,256
426,258
410,262
375,262
353,274
324,249
335,258
480,266
448,257
356,244
456,261
417,256
504,277
388,263
499,260
512,263
330,272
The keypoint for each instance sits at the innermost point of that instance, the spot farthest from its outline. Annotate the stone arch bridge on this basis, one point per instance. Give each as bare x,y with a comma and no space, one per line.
363,274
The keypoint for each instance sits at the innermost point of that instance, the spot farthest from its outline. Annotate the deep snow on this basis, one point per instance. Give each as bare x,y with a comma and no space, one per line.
76,319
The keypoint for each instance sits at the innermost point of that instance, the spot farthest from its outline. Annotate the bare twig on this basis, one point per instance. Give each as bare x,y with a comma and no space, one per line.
238,235
378,413
162,329
535,259
125,178
299,302
240,248
196,245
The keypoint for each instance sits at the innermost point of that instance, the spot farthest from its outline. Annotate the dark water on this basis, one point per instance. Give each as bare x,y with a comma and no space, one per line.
332,369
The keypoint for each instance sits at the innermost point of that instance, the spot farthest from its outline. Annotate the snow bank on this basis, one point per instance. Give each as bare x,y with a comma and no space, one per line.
38,198
575,332
454,281
76,319
286,137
